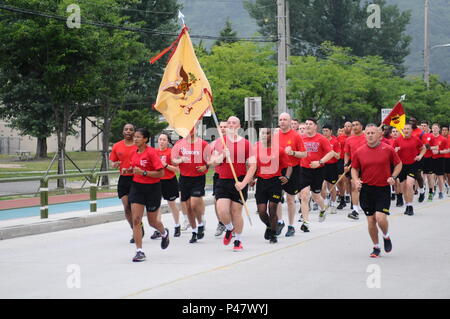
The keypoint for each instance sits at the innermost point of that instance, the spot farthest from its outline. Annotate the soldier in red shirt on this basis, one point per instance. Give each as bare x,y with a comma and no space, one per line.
373,162
410,151
145,190
270,161
169,182
331,168
292,143
229,202
440,149
417,132
428,140
344,184
312,173
445,133
191,154
120,157
351,146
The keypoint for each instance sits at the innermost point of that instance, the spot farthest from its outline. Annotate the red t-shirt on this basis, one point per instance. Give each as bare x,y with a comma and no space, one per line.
417,132
317,147
166,157
353,143
442,143
409,149
239,153
123,153
428,138
270,161
292,139
389,141
375,163
342,138
148,160
448,146
197,152
335,146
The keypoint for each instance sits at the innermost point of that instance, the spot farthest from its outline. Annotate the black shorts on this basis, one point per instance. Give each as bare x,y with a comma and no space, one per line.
192,187
428,165
375,199
146,194
292,186
439,166
331,173
447,166
268,190
408,170
225,189
420,164
169,189
215,177
340,166
124,185
313,177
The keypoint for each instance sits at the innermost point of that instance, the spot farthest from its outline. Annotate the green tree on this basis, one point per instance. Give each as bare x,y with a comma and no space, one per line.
240,70
227,35
343,22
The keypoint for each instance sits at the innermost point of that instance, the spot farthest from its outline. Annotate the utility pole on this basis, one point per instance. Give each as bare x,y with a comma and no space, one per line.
281,16
288,33
426,49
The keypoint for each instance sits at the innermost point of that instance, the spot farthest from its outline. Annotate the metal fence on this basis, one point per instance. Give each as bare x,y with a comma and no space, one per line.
9,145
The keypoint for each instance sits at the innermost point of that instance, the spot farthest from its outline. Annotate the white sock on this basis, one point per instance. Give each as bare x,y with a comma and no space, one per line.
195,230
356,208
165,234
200,224
376,246
280,221
422,190
177,225
139,249
237,237
229,226
386,236
408,204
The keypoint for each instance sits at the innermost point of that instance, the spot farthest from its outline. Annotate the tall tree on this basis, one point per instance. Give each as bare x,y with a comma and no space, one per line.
343,22
227,35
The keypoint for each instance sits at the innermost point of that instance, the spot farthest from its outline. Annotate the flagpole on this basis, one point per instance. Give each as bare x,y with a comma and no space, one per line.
216,121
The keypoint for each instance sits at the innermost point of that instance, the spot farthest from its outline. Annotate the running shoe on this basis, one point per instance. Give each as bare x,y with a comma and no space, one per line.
267,233
407,210
185,225
399,200
347,199
177,232
273,238
132,240
430,197
341,205
315,206
140,256
220,229
353,215
165,240
387,244
393,196
143,233
421,197
301,218
156,235
290,232
305,227
201,232
322,216
333,209
237,246
411,211
280,227
194,238
441,195
375,253
227,237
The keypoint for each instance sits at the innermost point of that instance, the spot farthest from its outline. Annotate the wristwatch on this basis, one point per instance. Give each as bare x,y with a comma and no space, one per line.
166,165
394,177
320,162
144,173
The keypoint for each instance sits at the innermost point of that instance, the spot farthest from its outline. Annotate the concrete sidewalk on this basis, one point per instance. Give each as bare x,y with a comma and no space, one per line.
332,261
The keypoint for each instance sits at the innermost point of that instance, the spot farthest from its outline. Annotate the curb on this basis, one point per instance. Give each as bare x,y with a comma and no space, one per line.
43,227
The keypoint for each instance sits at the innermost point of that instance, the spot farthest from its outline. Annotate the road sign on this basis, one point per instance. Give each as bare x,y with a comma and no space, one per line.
253,110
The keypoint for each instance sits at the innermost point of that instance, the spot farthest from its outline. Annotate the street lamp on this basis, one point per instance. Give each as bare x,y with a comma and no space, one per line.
427,62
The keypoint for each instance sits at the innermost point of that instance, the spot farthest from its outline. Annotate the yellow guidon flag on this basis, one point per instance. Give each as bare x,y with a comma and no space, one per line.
184,94
396,118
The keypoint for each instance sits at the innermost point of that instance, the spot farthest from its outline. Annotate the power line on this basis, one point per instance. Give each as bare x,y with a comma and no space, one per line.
132,29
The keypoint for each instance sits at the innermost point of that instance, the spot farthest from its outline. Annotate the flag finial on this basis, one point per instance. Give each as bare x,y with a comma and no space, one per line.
181,16
403,97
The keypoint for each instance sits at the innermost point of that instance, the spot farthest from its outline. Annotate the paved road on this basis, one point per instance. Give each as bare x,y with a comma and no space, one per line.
330,262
